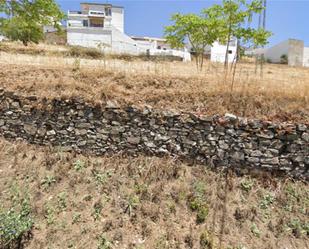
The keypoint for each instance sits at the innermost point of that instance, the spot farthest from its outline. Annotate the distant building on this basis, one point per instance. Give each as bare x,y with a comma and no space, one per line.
216,52
292,50
102,26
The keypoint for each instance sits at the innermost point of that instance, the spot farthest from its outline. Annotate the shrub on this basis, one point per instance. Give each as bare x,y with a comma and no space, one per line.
284,59
92,53
15,225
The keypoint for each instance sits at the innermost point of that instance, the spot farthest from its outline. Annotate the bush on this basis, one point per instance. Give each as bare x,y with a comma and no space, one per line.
92,53
15,225
284,59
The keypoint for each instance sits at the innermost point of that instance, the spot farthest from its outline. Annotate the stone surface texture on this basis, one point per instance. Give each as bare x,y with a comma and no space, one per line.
219,141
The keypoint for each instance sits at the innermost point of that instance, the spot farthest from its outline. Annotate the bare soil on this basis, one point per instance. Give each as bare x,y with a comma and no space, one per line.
79,201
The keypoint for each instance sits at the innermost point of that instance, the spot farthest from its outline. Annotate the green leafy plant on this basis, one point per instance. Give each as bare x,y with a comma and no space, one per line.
79,165
48,181
49,214
76,218
16,222
247,185
255,230
98,207
62,201
266,201
104,243
101,178
132,202
24,19
197,202
206,241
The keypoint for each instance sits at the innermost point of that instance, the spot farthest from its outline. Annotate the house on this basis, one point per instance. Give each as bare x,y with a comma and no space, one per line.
217,51
101,25
292,50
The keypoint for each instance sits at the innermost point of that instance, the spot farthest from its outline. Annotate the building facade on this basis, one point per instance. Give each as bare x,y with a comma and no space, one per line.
102,26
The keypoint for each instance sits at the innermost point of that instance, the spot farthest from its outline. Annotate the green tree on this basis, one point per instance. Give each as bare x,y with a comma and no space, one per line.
25,19
199,30
236,17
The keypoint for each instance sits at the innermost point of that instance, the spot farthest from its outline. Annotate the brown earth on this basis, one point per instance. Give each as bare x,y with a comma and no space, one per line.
123,202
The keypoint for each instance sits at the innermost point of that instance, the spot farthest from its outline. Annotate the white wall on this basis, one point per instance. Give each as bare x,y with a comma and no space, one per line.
218,53
306,57
82,37
274,53
118,18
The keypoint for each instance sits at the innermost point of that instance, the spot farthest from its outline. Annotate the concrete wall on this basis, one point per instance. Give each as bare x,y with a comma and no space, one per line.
118,18
88,37
218,53
306,57
274,53
73,124
295,54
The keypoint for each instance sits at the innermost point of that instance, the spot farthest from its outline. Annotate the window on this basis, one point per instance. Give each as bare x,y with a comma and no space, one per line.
230,51
85,23
97,22
108,11
159,47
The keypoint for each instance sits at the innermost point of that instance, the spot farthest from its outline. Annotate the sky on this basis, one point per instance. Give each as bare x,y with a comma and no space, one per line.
285,18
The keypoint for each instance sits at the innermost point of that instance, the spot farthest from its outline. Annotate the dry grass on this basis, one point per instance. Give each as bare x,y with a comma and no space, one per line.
148,202
282,94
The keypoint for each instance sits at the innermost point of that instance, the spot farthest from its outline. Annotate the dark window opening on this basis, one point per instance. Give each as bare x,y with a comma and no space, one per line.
85,23
159,47
97,22
230,51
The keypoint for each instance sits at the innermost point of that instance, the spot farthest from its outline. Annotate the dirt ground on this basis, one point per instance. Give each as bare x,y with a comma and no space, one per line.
79,201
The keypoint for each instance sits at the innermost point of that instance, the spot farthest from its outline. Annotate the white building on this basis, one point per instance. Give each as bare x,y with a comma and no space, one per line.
293,50
102,26
218,52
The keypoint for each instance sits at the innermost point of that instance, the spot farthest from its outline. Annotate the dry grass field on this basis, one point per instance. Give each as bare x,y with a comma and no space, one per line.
47,71
121,202
81,201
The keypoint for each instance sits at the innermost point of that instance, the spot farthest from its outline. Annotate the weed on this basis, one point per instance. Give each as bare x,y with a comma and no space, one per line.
48,181
101,178
16,222
206,241
298,227
197,202
266,201
49,215
247,185
132,202
162,243
255,230
79,165
98,207
104,243
76,218
62,201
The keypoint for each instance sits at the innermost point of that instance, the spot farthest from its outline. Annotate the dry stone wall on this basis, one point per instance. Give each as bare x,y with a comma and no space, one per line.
220,141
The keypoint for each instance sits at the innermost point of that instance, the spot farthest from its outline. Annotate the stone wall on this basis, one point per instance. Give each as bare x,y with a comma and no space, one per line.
219,141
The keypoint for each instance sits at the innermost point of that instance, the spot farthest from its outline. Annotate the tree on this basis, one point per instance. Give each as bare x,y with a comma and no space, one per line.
199,30
235,17
25,19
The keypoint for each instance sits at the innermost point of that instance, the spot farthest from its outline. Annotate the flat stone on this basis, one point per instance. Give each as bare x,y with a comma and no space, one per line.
50,133
305,137
133,140
30,129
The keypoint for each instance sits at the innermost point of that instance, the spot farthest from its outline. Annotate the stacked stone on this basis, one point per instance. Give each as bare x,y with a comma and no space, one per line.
220,141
